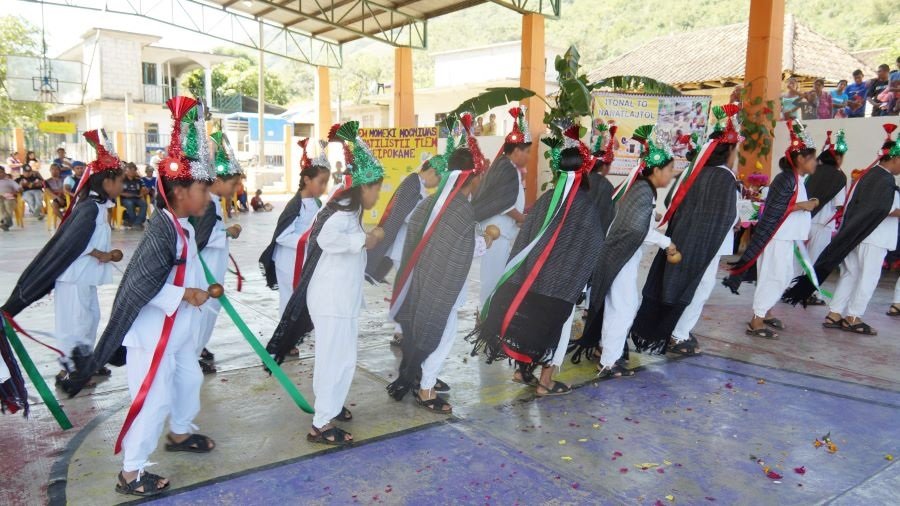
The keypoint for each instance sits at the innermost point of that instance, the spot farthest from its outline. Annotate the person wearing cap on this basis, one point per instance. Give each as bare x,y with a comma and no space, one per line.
545,274
213,237
784,220
76,261
500,200
156,313
868,231
430,286
701,218
71,181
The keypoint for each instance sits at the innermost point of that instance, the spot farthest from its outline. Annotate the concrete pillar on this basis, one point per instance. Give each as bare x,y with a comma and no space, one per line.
323,104
20,143
763,68
404,109
533,77
261,109
207,85
290,184
119,142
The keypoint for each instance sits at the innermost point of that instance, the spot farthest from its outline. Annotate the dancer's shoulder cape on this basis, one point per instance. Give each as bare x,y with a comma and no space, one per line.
779,203
824,184
698,228
267,260
625,236
399,208
66,245
296,322
601,193
869,205
144,277
204,225
498,191
439,276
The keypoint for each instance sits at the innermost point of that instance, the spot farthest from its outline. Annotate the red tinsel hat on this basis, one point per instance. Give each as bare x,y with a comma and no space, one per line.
188,157
731,134
106,158
609,152
480,164
895,150
799,138
305,162
519,133
573,140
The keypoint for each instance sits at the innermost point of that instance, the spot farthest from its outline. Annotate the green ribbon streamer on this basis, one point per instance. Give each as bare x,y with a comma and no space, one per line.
554,203
276,371
36,379
809,272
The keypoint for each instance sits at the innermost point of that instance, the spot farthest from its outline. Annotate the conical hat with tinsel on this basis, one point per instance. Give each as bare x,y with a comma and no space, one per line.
605,144
106,158
225,162
321,159
894,151
471,142
305,161
726,122
519,133
836,146
439,161
572,139
188,157
800,140
653,155
363,167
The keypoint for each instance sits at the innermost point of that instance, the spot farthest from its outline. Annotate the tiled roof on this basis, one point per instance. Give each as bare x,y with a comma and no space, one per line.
719,53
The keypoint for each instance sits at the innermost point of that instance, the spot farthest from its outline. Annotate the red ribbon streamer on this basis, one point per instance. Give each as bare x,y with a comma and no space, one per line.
20,330
790,209
414,258
237,272
300,255
685,186
532,276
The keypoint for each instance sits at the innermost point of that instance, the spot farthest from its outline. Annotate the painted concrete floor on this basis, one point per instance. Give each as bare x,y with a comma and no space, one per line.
682,431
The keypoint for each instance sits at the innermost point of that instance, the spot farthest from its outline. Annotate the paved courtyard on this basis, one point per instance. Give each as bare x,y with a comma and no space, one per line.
682,431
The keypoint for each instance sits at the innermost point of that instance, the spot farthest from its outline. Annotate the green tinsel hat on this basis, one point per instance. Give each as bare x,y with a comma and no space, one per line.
894,150
726,123
362,167
439,162
838,146
652,154
226,163
599,142
554,150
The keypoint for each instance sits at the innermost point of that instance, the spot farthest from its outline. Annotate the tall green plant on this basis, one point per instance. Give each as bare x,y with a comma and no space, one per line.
757,124
574,97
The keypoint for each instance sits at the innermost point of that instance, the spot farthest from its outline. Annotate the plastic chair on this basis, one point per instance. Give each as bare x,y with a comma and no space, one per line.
19,215
224,209
118,213
52,218
149,205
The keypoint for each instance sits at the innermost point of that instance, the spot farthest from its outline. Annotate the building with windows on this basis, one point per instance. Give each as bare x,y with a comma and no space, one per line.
126,81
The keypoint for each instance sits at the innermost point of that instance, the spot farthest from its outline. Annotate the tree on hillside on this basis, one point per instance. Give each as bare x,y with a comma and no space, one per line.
239,76
18,37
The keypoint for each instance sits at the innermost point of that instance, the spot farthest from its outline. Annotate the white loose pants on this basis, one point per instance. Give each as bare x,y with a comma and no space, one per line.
559,356
217,261
819,239
175,393
432,365
285,288
692,312
774,272
335,364
897,292
622,303
77,312
860,272
493,263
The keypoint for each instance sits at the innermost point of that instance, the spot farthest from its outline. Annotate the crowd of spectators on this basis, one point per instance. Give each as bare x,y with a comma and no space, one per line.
879,95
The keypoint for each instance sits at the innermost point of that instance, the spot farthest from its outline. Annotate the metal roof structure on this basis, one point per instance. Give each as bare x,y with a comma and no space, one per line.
308,31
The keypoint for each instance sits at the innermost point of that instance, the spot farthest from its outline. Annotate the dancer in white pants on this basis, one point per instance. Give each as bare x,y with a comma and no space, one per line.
894,310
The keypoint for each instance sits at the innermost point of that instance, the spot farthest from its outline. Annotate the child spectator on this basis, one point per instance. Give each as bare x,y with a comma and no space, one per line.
8,191
257,203
132,198
32,189
149,181
55,190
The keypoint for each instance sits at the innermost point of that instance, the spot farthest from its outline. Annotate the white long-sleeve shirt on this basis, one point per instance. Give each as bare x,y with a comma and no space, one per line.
147,327
286,243
336,287
87,270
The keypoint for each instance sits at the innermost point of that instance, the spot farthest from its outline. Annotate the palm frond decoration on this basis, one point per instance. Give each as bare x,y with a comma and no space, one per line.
637,84
491,98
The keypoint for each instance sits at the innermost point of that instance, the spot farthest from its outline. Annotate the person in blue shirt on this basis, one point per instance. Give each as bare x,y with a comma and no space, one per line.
149,182
839,99
65,163
856,95
895,75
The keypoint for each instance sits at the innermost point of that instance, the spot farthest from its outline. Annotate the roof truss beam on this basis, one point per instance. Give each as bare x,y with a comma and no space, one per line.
399,30
548,8
222,24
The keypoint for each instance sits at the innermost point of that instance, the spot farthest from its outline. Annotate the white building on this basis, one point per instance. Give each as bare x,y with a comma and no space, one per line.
127,80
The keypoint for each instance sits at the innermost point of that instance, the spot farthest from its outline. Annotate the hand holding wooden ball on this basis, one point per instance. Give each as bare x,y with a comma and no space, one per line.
377,233
492,232
116,255
674,258
215,290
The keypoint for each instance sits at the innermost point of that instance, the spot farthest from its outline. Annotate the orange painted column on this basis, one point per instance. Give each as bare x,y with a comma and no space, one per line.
290,181
762,77
20,143
404,108
323,104
533,77
120,145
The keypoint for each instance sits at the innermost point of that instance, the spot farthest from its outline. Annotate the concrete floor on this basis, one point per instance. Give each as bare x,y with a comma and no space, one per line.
682,431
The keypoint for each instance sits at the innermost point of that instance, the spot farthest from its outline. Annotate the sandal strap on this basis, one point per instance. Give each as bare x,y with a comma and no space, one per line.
339,435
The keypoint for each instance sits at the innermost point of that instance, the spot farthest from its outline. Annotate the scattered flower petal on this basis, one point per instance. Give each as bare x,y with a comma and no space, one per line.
647,465
773,475
623,470
888,457
566,458
583,440
666,462
670,497
562,441
729,385
760,381
800,470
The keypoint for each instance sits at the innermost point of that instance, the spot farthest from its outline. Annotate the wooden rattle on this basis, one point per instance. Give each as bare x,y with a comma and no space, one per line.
674,258
378,233
215,290
492,232
116,255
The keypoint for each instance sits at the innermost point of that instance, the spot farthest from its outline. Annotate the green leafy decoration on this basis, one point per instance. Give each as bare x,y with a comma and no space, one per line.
491,98
574,97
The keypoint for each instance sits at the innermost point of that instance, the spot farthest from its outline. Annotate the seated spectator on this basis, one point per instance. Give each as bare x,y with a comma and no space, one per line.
33,189
491,127
839,100
70,183
876,88
132,198
479,126
823,100
791,100
64,163
856,96
890,99
8,191
54,188
31,157
240,191
257,203
149,181
895,75
14,163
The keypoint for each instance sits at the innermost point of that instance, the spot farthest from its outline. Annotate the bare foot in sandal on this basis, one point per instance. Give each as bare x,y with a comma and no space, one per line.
757,328
857,326
894,310
193,443
548,386
140,484
329,435
430,400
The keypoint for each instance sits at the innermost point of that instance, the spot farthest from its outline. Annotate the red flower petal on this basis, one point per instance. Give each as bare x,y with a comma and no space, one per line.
623,470
800,470
773,475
